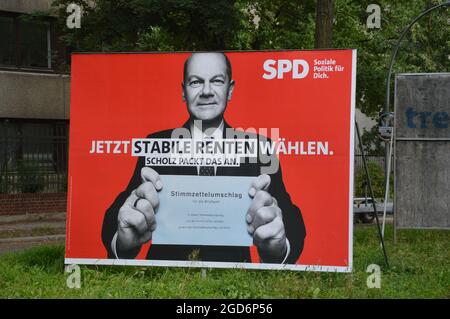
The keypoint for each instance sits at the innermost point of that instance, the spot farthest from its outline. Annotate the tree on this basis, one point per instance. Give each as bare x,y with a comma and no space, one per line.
137,25
324,23
425,49
276,24
151,25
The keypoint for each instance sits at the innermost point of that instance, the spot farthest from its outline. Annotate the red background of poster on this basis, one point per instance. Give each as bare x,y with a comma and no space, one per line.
121,96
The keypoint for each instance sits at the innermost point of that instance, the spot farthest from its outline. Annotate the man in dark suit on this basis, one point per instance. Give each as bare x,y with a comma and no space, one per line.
274,222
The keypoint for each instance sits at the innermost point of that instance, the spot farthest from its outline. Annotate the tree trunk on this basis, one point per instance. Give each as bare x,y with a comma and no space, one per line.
324,24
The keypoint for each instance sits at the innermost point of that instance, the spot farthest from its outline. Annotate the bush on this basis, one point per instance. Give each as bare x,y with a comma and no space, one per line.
377,179
30,177
3,184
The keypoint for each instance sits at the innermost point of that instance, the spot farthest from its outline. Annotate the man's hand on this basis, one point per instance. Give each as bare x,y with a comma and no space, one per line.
265,221
136,219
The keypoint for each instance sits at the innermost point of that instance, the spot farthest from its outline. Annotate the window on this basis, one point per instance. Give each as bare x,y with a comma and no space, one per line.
8,42
33,156
25,44
35,44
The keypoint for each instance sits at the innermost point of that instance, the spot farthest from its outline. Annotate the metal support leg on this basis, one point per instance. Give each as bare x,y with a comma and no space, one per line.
372,195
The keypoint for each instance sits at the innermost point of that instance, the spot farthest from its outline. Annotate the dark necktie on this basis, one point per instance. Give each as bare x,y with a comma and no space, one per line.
206,171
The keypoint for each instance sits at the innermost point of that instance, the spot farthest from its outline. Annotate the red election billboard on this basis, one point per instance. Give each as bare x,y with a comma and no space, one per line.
210,159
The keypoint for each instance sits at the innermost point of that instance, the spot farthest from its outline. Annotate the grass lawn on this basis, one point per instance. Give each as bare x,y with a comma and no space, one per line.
420,268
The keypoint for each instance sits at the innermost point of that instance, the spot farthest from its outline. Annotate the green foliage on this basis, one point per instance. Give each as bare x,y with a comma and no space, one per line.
3,184
141,25
424,50
138,25
277,24
29,176
46,258
377,180
372,144
155,39
420,268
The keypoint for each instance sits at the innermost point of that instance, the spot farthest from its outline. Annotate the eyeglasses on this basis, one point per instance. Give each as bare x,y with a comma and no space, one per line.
198,83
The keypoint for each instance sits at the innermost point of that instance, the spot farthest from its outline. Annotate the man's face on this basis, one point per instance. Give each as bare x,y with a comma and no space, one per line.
207,87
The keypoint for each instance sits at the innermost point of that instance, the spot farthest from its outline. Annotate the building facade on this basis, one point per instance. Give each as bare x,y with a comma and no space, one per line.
34,109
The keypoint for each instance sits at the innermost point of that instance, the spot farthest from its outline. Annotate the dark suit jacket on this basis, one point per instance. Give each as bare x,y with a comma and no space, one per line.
292,218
